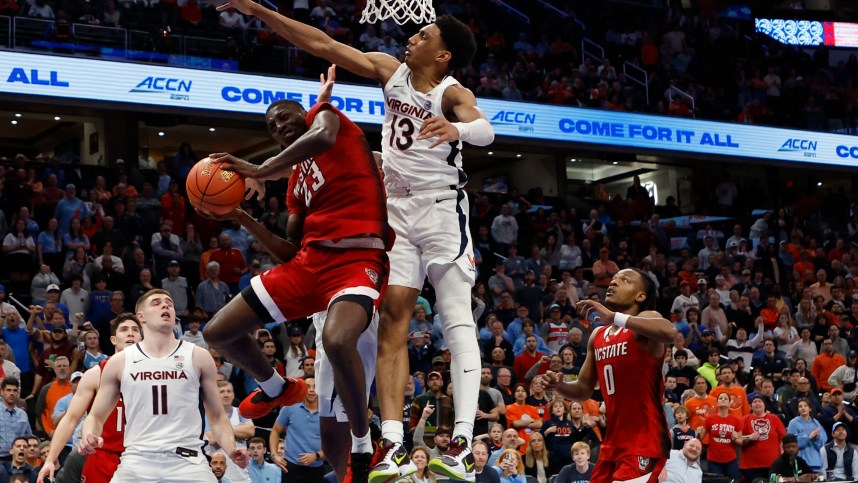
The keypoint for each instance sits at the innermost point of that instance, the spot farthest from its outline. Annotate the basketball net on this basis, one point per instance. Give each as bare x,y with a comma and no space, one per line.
401,11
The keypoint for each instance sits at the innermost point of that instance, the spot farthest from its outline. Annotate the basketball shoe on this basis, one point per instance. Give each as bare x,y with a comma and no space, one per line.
393,463
360,465
258,404
457,462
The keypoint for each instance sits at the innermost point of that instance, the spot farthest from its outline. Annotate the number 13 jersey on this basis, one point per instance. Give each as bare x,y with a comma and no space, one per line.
409,163
633,387
162,400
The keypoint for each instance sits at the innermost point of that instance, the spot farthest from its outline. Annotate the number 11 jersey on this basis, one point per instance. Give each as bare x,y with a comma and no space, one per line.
409,163
162,400
632,387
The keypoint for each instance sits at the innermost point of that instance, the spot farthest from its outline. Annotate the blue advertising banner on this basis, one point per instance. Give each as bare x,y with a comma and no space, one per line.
99,80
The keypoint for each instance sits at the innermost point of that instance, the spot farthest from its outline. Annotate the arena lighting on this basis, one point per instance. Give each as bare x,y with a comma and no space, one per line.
14,122
819,183
491,153
57,118
615,163
518,155
211,129
17,114
160,133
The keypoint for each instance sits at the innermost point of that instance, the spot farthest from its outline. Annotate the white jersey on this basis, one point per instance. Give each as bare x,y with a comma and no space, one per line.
162,401
409,164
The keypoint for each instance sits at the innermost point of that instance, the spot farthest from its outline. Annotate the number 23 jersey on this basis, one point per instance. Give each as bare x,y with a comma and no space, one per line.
632,386
339,191
162,401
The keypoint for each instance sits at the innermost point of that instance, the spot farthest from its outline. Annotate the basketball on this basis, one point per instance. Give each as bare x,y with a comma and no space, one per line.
211,189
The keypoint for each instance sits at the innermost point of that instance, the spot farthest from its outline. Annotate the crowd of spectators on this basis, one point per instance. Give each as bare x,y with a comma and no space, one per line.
765,305
696,63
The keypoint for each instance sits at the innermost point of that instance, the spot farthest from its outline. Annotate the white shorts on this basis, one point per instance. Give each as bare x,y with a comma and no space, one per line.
167,467
431,228
330,404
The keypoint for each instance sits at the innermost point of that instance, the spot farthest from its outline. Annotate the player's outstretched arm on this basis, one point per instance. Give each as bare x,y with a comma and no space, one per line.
220,425
319,138
282,250
581,389
80,402
374,65
105,401
471,125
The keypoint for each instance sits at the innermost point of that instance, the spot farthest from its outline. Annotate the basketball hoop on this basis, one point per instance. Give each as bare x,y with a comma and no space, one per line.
401,11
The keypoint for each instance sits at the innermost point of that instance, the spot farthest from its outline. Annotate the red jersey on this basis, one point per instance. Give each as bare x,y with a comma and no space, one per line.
633,387
114,428
339,191
761,453
720,430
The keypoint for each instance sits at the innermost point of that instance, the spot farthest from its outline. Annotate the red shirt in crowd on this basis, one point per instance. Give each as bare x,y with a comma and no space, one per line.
761,453
720,430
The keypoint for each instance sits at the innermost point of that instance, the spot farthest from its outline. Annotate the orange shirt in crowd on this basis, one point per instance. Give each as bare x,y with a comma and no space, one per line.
739,405
823,366
57,390
698,410
514,412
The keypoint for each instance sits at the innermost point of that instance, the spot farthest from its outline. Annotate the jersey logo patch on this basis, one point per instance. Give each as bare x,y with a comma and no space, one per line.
427,105
643,463
372,274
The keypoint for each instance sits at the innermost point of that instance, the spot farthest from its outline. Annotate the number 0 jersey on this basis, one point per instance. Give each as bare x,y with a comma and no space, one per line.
340,190
162,400
409,163
633,387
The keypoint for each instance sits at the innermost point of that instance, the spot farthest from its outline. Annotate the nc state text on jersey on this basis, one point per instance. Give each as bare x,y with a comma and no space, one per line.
610,351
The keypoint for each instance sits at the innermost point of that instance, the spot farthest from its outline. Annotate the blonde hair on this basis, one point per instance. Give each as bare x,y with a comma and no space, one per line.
530,457
580,446
520,467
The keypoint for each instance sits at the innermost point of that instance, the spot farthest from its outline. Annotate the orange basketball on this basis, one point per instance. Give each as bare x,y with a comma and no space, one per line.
212,189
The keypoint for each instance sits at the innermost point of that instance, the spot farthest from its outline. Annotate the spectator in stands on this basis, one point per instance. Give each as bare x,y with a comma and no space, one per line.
761,435
16,423
259,469
53,391
504,229
420,459
166,246
17,465
825,364
212,293
302,459
62,407
231,262
683,466
482,472
91,355
178,288
69,208
75,298
812,436
839,457
242,429
218,466
440,416
510,467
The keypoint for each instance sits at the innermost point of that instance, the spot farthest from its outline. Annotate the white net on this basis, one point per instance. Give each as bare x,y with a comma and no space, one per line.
401,11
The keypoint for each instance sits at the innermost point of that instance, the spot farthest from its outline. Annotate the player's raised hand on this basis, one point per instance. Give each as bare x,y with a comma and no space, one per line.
233,215
243,6
240,457
89,443
439,127
47,471
586,307
236,165
254,187
327,84
551,379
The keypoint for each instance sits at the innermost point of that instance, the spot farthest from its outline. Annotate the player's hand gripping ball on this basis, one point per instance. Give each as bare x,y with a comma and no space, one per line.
213,189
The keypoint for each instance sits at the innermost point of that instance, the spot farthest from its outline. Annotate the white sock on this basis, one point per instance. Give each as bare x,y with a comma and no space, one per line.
272,386
392,431
362,444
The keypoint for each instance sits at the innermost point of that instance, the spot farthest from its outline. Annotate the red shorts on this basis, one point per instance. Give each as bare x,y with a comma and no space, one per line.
628,468
99,467
317,275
